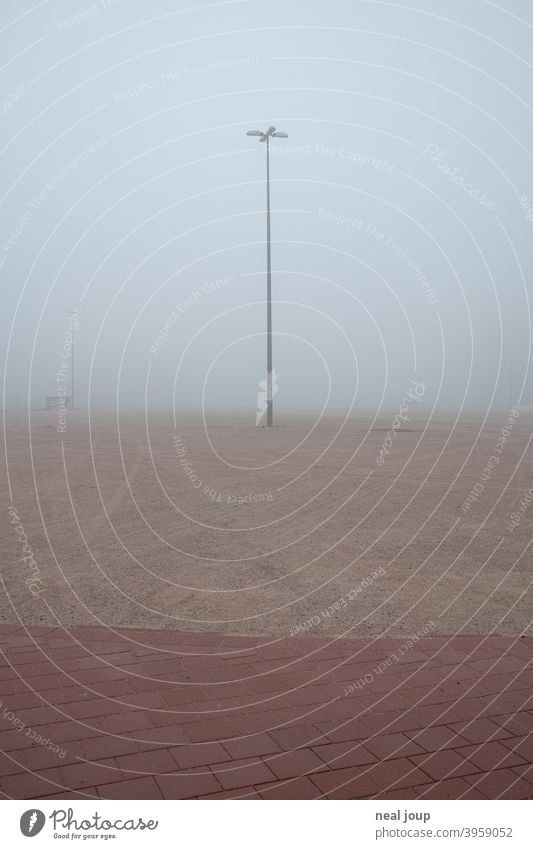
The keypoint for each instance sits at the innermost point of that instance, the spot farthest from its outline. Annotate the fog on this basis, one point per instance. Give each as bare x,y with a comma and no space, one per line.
402,203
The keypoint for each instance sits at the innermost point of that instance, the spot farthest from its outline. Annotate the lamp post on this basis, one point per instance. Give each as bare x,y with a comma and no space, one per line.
72,314
265,137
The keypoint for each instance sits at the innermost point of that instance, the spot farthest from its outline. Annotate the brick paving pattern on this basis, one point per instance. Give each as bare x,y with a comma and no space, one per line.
146,714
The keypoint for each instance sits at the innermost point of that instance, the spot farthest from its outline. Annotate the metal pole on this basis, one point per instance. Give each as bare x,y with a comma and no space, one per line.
269,295
71,314
72,370
265,137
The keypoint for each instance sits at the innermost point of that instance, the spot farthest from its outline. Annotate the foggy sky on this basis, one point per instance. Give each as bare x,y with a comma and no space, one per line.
402,202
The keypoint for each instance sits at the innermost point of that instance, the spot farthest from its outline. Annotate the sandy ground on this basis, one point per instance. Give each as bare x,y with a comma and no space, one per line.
118,531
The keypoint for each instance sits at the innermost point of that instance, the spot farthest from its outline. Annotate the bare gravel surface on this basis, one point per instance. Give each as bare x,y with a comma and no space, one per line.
292,530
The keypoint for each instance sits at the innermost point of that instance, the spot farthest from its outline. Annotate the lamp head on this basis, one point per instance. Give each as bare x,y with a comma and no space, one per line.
270,133
261,135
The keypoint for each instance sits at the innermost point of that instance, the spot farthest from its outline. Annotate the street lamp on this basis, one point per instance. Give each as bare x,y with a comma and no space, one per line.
265,137
72,314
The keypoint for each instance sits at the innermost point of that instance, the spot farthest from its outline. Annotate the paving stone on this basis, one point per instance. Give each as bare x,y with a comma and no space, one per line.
187,785
346,783
243,773
392,746
438,737
488,756
199,754
292,764
136,788
445,764
251,746
295,788
479,730
338,755
501,784
451,788
396,774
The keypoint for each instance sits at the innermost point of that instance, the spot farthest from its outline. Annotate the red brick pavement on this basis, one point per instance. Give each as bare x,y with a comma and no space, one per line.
145,714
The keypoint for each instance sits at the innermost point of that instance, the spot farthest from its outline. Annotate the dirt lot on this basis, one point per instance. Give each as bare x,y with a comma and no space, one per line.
276,531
